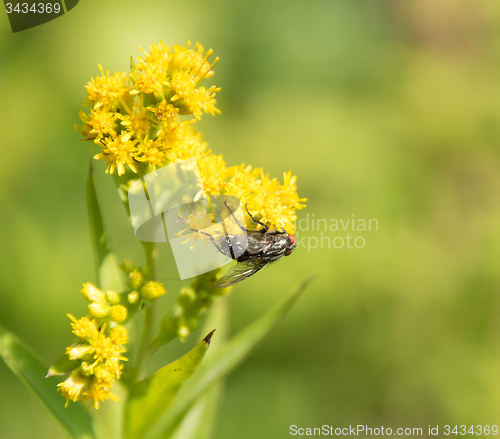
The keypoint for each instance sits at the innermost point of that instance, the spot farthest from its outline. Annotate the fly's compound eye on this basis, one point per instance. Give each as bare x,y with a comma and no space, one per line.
292,239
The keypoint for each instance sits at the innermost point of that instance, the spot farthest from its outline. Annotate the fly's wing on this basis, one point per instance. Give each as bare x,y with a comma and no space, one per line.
239,272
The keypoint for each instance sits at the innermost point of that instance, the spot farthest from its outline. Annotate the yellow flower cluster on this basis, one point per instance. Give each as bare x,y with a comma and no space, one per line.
135,120
98,349
99,352
95,359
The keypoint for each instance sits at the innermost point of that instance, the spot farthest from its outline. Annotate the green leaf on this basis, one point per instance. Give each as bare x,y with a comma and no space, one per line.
31,371
228,358
63,366
109,274
200,420
151,397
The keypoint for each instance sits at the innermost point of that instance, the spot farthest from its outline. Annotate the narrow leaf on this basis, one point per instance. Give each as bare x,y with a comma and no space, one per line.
31,371
150,398
228,358
200,421
109,275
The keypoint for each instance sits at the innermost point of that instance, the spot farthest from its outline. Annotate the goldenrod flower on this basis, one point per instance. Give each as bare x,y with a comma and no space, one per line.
119,152
92,293
119,335
107,90
152,290
136,279
213,173
73,386
99,310
129,130
83,328
135,120
118,313
100,357
266,198
100,123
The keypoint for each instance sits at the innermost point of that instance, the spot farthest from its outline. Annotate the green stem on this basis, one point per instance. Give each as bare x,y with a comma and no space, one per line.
144,348
151,254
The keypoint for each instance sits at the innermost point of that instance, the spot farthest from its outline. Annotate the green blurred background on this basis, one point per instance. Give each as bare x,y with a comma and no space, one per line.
387,110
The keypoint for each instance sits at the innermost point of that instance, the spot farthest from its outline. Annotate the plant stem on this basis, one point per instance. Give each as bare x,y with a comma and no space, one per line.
151,255
144,348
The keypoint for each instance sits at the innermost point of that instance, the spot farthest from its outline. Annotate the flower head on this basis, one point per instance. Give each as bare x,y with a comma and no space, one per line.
106,91
99,352
134,117
119,152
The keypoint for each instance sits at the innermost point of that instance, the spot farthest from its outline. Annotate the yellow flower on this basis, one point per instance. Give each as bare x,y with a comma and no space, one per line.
98,124
118,152
213,173
119,335
152,290
192,100
274,204
150,151
106,90
192,60
92,293
98,310
100,357
134,118
150,79
185,143
83,328
97,391
118,313
243,182
175,73
164,111
137,121
73,386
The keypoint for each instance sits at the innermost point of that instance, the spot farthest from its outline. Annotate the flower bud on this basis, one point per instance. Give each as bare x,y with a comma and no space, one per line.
113,297
128,266
98,310
183,332
187,295
119,335
86,368
118,313
92,293
152,290
136,280
133,297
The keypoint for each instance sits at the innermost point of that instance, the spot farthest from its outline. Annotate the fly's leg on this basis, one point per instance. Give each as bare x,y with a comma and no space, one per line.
214,242
237,222
277,232
266,228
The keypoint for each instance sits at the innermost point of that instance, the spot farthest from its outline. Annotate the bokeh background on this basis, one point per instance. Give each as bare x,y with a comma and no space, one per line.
386,110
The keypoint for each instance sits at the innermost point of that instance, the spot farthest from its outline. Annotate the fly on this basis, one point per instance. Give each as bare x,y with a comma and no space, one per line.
252,249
